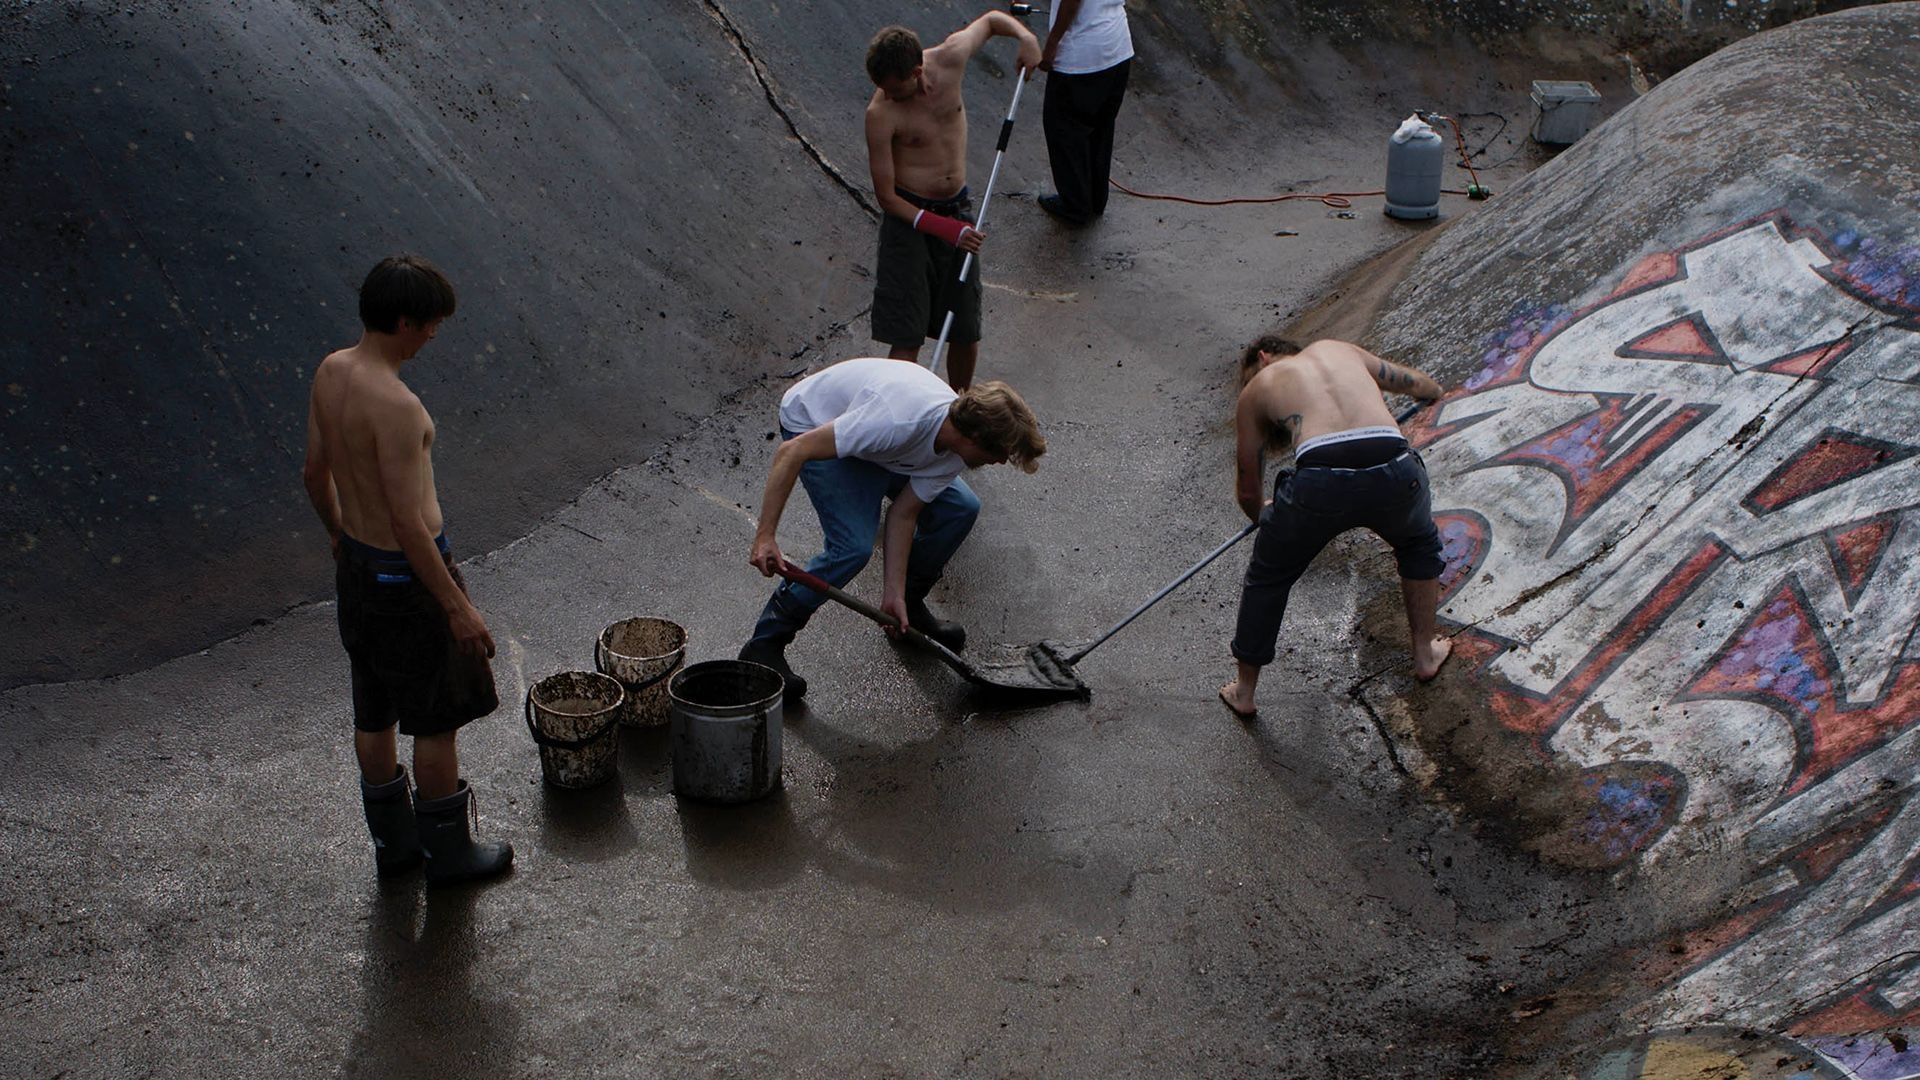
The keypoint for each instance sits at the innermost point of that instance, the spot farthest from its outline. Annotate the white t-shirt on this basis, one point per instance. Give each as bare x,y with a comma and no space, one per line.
1097,40
884,411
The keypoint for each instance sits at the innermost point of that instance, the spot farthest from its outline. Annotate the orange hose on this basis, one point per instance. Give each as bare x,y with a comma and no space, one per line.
1339,200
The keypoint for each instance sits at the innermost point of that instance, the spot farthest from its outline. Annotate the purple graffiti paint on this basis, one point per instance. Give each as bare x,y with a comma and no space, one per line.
1769,657
1868,1057
1884,271
1508,345
1626,813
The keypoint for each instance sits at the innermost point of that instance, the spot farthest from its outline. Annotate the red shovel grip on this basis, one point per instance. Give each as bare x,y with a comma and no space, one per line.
812,581
823,587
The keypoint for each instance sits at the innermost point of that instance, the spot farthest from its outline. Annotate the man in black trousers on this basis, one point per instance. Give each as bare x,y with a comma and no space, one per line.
1088,54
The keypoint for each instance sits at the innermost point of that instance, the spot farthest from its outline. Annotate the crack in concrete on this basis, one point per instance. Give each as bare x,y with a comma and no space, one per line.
766,87
1805,1004
1357,693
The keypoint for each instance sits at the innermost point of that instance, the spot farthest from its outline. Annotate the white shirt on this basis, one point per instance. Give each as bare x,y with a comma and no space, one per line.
1097,40
884,411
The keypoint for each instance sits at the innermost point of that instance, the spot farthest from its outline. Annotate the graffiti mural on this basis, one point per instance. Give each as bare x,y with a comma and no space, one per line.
1686,538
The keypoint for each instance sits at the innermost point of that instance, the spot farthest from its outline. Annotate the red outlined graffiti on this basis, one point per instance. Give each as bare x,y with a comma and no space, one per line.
1683,531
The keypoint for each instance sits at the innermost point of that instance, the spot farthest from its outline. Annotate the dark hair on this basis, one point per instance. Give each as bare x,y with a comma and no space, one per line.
1267,343
892,54
404,287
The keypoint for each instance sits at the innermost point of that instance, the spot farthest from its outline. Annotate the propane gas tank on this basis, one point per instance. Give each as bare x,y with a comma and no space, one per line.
1414,159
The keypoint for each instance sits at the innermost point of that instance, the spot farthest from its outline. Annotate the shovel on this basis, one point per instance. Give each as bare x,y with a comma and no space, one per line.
1035,677
1039,672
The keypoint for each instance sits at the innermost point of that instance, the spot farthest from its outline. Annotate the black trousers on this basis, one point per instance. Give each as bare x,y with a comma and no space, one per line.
1312,505
1078,118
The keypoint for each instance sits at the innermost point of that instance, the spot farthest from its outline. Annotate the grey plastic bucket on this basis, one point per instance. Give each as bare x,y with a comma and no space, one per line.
726,730
575,716
643,653
1562,111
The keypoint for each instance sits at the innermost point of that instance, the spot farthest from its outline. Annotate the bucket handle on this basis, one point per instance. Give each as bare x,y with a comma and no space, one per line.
600,664
581,743
637,688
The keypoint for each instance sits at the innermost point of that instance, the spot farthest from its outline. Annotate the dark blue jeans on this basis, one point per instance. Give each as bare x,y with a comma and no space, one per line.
1310,507
847,493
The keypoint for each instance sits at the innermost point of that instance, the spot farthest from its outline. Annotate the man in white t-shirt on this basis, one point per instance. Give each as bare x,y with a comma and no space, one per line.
1087,55
858,433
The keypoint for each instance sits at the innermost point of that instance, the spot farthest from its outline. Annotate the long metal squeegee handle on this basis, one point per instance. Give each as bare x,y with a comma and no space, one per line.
841,596
1161,595
980,219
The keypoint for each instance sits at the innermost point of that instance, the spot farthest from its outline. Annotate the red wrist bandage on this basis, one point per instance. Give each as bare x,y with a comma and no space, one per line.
946,228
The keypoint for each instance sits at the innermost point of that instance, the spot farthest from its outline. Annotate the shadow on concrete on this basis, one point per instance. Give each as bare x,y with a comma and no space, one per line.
422,1013
591,825
745,846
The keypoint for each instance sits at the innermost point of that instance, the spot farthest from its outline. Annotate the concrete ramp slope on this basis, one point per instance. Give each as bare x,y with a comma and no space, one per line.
1679,482
193,193
645,206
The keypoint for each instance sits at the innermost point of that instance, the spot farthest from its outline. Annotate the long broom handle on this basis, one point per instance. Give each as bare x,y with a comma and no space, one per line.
980,219
1196,568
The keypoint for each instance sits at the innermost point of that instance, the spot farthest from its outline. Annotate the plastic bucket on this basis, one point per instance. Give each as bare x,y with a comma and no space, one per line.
574,716
726,730
643,654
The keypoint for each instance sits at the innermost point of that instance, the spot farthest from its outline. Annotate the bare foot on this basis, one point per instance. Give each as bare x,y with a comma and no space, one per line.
1238,701
1427,661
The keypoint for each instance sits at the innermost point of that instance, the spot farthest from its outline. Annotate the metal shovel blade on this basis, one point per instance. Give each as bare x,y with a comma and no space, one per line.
1035,671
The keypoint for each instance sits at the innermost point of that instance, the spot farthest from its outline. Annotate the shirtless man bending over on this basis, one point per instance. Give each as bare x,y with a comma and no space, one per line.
1352,469
418,647
917,151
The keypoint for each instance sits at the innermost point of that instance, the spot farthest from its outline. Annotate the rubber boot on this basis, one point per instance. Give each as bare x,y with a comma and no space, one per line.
446,838
921,618
396,843
772,652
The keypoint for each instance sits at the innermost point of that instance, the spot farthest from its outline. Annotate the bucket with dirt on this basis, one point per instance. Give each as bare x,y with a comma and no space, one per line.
575,716
643,654
726,731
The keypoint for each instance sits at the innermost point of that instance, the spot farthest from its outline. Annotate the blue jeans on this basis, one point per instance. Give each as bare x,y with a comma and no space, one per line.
847,494
1313,505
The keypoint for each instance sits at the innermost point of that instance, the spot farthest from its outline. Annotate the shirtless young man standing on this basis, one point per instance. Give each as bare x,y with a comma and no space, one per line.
1352,469
917,151
417,646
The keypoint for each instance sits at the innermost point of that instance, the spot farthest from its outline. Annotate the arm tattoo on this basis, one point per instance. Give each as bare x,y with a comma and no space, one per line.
1395,378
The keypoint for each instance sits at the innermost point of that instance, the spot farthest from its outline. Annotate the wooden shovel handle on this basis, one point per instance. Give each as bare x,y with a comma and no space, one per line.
818,584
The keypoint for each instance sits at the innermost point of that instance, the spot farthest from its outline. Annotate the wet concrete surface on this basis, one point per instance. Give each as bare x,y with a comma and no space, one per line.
1136,885
1139,884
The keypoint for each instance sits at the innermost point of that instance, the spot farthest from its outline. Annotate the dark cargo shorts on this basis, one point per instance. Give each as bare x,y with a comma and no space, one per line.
917,279
1312,505
407,668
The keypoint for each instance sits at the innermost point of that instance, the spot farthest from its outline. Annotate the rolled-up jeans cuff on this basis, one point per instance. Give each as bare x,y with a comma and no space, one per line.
1241,656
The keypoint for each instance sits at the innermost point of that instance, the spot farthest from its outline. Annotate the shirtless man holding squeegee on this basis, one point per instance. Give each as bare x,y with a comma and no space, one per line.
1352,469
917,151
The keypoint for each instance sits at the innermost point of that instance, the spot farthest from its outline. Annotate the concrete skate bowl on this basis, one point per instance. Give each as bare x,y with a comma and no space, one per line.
645,207
1679,483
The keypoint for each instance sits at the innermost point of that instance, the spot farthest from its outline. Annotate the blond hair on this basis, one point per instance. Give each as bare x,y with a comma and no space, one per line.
994,416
